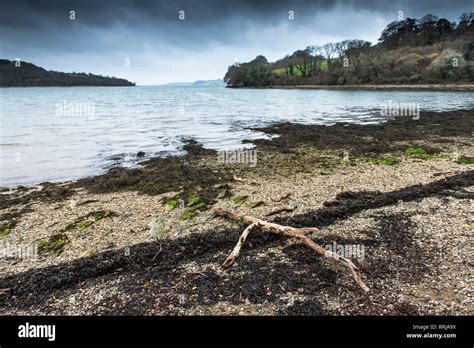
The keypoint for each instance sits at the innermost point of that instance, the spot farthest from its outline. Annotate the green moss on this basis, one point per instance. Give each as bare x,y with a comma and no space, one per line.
416,151
199,206
172,204
465,160
54,244
191,212
89,219
421,153
68,227
187,214
101,214
390,159
5,229
9,220
239,199
9,223
193,199
386,161
86,223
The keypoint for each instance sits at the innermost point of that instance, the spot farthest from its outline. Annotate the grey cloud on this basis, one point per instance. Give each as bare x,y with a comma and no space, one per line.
215,30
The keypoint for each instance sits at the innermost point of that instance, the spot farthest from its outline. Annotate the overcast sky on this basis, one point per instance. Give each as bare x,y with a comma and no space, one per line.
161,48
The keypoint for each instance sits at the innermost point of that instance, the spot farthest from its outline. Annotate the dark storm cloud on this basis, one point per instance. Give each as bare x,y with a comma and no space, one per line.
19,13
213,31
102,13
32,22
205,19
49,15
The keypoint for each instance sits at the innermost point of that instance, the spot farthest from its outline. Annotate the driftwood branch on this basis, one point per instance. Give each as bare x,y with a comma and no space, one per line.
280,210
299,233
235,253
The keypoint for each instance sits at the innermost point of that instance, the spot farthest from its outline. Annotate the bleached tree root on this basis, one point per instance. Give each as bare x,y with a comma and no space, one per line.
235,253
299,233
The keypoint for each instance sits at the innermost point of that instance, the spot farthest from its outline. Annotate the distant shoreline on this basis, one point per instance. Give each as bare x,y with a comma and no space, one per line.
25,74
61,86
370,87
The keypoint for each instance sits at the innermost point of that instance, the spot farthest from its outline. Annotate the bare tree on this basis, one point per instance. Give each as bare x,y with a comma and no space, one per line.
329,52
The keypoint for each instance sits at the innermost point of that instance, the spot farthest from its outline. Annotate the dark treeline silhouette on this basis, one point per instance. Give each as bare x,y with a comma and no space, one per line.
426,50
23,74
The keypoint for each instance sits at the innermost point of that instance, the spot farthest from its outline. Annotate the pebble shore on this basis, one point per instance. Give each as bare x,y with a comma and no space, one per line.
409,211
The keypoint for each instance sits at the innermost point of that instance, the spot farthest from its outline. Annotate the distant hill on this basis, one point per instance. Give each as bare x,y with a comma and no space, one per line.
429,50
177,84
198,83
30,75
208,83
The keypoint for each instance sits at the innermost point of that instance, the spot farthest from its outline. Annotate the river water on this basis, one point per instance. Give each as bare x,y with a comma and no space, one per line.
57,134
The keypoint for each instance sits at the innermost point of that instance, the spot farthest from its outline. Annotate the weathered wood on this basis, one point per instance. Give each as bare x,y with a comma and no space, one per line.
299,233
265,226
280,210
235,253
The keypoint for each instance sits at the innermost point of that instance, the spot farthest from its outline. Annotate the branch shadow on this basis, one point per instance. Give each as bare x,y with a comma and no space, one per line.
170,284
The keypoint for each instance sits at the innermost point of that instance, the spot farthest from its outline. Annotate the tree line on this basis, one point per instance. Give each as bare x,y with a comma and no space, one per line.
426,50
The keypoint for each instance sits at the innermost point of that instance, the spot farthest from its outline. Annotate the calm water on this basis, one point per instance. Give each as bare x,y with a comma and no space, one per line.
43,139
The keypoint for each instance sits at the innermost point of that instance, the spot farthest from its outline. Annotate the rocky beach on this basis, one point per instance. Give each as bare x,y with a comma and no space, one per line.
145,240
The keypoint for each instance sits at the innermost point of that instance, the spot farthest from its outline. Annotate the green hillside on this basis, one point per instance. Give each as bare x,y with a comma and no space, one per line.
429,50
